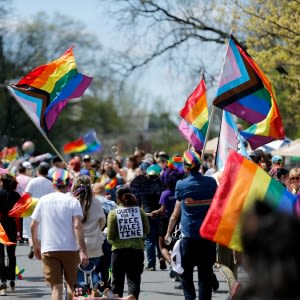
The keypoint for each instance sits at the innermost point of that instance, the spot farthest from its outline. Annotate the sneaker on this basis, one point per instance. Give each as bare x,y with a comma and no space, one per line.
176,278
3,288
162,264
12,285
31,253
150,268
173,274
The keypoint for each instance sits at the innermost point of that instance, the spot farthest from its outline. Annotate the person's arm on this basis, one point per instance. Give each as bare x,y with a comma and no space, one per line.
77,226
173,219
102,220
160,211
35,240
146,225
111,226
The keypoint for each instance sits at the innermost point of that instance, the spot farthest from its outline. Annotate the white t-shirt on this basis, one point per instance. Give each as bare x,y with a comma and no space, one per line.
39,186
36,187
56,211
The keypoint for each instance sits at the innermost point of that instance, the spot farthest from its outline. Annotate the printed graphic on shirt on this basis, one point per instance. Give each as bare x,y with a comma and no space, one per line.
129,222
192,202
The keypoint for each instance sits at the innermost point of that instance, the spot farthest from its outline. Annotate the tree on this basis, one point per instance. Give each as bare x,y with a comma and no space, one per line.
272,30
187,36
182,34
25,47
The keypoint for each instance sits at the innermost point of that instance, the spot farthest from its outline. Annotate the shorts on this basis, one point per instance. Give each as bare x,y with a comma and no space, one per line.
57,264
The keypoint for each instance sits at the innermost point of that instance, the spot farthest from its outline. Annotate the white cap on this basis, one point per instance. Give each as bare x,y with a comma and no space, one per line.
27,165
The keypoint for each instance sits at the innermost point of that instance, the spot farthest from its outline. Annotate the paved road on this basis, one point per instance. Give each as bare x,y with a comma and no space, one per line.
155,285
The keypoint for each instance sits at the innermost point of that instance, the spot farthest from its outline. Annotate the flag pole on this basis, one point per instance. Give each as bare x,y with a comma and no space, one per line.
54,148
213,109
39,129
207,132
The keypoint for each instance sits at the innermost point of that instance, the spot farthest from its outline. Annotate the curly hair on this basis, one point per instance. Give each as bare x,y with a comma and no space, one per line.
9,182
82,190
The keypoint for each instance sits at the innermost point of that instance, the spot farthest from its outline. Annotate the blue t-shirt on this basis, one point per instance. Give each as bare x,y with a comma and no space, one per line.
195,193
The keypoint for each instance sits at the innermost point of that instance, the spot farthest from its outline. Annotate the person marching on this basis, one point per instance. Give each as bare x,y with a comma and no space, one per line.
61,235
8,198
126,228
93,222
194,195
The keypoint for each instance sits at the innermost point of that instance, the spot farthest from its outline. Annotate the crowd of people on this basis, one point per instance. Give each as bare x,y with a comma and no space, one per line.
103,213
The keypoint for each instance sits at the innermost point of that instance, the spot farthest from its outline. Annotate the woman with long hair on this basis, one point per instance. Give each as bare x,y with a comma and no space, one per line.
8,198
93,222
126,228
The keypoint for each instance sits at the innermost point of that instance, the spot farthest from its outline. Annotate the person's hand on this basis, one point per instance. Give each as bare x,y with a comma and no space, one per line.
37,251
107,196
84,260
154,213
168,239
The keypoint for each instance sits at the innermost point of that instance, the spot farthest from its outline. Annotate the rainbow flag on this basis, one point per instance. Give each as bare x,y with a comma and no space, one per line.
192,134
47,89
246,92
195,110
242,183
111,184
24,207
88,143
9,154
4,238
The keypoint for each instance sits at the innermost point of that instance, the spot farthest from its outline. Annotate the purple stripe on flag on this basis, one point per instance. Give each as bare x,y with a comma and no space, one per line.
74,89
192,135
256,140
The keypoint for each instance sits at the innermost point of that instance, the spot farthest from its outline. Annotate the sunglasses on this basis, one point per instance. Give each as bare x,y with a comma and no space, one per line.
295,178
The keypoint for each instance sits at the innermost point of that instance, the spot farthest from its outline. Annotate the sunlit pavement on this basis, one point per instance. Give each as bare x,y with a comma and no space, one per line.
155,284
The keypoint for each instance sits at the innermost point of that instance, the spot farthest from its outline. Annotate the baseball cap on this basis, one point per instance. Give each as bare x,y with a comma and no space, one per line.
86,157
27,165
191,159
154,170
60,178
276,159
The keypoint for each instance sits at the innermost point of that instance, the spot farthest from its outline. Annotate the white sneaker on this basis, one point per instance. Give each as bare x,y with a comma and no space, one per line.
3,289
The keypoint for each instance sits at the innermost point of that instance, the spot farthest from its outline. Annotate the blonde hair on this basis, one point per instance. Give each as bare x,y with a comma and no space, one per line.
98,188
294,172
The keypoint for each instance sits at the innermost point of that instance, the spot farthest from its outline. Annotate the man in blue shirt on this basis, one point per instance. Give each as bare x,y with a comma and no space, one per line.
194,195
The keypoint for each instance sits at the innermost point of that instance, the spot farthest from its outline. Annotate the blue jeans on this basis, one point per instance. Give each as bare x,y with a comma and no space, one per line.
202,254
151,241
103,267
95,276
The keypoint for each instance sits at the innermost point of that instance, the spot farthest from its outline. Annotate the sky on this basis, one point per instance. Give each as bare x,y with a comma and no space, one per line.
155,80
